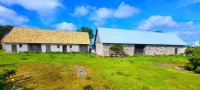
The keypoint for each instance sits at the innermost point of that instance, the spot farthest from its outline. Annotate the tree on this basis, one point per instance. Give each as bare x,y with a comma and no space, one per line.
86,29
4,30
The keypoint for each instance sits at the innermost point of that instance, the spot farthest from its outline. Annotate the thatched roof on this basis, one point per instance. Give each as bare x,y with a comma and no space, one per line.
33,35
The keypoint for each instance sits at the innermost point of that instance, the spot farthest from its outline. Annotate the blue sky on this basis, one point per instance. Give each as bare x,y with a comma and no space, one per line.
181,17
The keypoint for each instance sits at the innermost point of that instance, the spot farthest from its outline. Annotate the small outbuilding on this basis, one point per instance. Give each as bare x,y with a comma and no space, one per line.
40,40
138,42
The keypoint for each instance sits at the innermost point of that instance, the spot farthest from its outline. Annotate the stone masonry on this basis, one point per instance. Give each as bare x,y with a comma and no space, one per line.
162,49
103,49
128,49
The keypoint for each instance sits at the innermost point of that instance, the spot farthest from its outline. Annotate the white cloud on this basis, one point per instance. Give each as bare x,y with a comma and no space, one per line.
42,7
125,10
81,10
157,21
185,30
99,15
190,36
65,26
8,16
183,3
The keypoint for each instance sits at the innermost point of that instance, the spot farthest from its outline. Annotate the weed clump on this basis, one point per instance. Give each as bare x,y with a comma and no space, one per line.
88,78
24,58
145,88
6,74
88,87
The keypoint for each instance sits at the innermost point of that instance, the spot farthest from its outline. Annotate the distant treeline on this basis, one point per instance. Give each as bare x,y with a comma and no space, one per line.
4,29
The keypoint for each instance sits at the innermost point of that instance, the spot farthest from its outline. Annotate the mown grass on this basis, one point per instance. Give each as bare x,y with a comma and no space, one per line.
49,71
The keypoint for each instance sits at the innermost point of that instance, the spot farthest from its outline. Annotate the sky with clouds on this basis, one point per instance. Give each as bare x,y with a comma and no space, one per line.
181,17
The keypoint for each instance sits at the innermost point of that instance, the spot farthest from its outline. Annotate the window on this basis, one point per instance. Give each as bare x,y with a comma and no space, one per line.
70,46
20,45
58,46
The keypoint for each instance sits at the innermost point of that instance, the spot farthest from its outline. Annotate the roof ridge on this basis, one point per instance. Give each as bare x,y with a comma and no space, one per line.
134,30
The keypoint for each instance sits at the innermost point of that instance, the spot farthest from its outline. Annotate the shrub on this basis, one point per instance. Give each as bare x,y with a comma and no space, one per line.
189,67
194,59
197,70
117,49
188,51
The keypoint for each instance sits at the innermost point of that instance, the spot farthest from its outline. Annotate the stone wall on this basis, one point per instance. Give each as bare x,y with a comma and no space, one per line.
103,49
162,49
99,49
128,49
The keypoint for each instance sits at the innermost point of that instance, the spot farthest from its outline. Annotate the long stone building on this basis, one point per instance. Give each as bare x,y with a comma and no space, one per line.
138,42
40,40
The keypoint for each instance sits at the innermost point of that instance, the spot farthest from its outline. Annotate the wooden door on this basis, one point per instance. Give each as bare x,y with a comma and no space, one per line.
48,48
64,48
14,48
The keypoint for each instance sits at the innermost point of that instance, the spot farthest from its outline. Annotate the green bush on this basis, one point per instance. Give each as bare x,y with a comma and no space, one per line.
197,70
117,49
194,59
189,67
188,51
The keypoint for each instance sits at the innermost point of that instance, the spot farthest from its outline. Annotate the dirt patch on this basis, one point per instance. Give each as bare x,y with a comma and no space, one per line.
49,76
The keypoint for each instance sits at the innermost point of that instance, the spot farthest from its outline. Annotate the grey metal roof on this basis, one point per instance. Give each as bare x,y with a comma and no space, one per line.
110,35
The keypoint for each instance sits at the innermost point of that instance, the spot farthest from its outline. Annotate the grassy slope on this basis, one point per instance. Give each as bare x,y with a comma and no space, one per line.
58,71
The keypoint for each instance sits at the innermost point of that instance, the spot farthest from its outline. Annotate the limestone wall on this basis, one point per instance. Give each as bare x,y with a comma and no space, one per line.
99,49
128,49
162,49
103,49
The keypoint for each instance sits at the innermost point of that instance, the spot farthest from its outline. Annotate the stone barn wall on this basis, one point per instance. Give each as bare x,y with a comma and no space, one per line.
128,49
163,49
99,49
103,49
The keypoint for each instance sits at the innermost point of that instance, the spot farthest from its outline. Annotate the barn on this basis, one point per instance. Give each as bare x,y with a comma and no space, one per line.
40,40
138,42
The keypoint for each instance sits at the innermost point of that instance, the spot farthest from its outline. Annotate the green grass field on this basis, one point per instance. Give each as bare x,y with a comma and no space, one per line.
59,71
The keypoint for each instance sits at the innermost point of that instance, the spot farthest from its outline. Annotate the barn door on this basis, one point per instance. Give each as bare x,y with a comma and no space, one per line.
139,49
83,48
14,48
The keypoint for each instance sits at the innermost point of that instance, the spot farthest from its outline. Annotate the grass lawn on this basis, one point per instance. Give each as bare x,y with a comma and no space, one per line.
59,71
